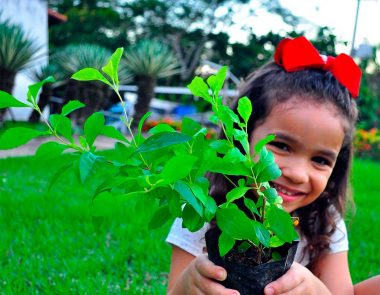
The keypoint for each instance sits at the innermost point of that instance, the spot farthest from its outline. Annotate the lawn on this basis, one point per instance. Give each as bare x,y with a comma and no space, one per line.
51,245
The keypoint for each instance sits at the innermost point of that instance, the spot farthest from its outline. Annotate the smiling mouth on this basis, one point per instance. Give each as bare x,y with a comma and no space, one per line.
287,194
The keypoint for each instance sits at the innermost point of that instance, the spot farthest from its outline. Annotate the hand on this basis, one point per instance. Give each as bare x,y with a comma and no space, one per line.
297,280
199,278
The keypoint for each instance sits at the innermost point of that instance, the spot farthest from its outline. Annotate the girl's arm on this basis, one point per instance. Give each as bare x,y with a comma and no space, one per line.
333,271
191,275
369,286
331,276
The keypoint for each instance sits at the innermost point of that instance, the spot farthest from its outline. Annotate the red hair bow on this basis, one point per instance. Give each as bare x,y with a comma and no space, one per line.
298,54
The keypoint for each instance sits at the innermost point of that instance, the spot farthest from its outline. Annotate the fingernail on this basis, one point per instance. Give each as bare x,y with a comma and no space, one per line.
269,291
235,293
222,275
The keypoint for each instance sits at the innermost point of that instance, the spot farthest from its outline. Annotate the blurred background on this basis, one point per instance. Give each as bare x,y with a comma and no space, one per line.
48,242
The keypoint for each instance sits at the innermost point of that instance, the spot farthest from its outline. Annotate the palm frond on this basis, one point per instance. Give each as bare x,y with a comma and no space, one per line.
75,57
17,50
151,58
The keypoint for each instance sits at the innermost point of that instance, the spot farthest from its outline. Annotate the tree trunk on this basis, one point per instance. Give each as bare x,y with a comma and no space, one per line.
43,101
145,93
7,80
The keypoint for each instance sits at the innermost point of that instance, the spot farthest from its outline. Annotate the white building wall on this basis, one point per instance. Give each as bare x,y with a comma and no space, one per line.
33,16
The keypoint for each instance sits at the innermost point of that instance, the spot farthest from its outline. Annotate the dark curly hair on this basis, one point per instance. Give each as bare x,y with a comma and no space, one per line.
271,85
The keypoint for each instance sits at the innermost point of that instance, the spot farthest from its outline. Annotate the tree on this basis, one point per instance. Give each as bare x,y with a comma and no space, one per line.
89,21
148,60
94,95
188,24
17,53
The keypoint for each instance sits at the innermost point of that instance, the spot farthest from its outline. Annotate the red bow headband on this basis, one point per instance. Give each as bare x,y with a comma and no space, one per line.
298,54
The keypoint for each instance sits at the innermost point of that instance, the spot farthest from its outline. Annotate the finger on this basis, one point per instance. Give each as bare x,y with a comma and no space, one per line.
289,281
208,269
210,287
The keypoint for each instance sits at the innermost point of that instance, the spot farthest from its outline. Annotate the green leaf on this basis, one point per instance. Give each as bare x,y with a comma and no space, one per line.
199,88
71,106
141,123
187,194
174,203
112,132
162,140
228,114
237,193
218,165
93,126
162,127
86,164
111,67
233,222
275,242
8,101
190,219
271,195
222,146
62,125
210,209
225,244
262,142
17,136
50,150
280,223
35,88
244,108
90,74
262,233
244,246
190,127
199,193
160,217
269,173
234,155
178,167
266,169
216,81
250,204
57,175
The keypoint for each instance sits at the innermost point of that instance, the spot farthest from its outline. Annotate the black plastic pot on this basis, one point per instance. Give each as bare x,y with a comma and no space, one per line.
248,279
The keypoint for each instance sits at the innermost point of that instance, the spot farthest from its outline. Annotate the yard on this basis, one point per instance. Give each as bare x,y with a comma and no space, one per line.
51,245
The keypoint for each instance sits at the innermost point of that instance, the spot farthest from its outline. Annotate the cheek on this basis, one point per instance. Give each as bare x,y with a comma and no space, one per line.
320,182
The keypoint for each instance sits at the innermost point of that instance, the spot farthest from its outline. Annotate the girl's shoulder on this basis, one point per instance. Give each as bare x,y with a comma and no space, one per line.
192,242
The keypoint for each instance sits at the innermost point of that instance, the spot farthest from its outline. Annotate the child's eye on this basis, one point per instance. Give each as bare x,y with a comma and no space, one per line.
279,145
322,161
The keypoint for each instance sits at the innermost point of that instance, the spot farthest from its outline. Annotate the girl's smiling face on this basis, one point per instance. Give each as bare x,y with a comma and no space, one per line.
308,139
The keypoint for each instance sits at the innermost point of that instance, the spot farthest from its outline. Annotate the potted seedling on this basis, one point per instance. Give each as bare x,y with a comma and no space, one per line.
169,167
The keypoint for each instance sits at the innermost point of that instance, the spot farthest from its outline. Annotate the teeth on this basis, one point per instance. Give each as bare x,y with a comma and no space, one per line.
280,189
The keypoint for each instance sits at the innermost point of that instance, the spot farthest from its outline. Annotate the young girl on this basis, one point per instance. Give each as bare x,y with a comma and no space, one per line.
308,102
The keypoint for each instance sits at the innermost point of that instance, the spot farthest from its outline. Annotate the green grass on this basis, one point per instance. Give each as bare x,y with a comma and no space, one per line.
49,244
364,227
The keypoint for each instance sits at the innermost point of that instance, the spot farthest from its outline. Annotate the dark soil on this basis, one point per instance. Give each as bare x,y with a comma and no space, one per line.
249,272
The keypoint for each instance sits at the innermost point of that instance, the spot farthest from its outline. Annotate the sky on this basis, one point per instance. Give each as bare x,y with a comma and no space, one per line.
339,15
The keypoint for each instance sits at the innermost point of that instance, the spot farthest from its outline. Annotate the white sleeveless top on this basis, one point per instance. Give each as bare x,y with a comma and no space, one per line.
194,242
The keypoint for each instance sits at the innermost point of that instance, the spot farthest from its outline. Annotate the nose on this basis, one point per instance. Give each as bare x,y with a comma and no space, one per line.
296,171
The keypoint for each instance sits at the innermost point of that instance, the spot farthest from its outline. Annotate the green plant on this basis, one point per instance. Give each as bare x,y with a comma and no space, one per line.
169,167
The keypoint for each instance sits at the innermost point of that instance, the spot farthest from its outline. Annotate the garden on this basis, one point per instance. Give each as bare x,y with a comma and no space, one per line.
60,231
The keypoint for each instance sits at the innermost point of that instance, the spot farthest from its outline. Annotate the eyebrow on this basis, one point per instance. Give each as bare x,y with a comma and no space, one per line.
288,138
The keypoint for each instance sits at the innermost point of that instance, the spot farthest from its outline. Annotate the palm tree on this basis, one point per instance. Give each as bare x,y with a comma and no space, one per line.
95,95
17,53
149,60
